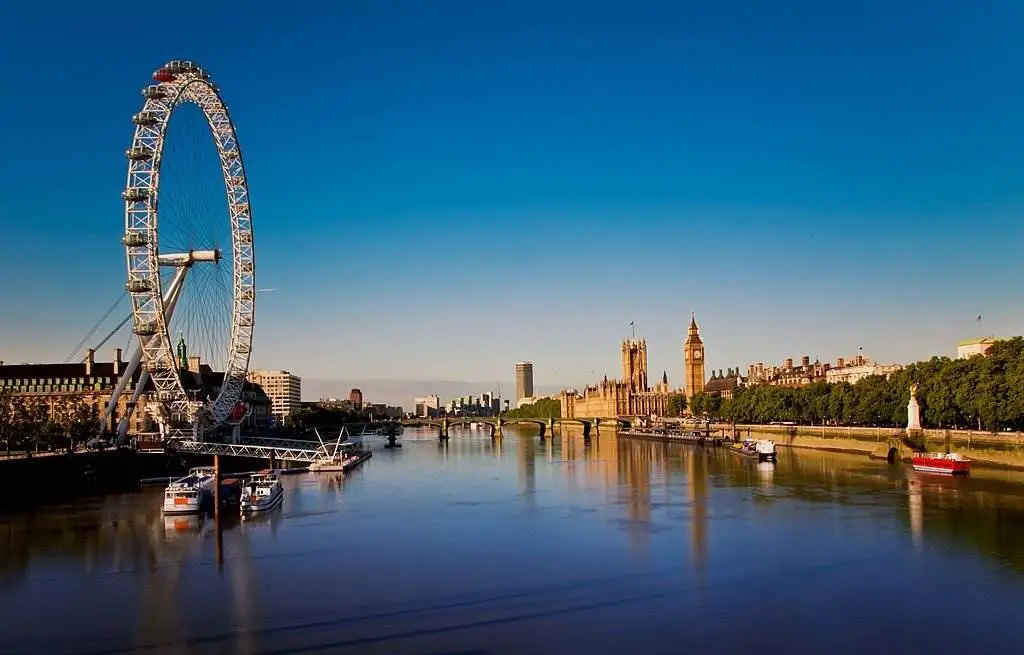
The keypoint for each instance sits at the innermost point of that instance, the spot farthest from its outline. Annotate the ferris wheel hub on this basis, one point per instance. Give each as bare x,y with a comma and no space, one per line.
186,259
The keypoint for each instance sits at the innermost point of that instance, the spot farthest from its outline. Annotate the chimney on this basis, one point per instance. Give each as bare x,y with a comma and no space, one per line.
90,359
805,361
117,362
839,362
193,363
789,363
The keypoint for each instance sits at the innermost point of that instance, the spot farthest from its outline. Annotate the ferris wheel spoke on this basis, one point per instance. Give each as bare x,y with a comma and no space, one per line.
185,154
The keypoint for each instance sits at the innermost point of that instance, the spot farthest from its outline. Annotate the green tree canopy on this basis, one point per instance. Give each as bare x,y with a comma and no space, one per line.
543,408
954,393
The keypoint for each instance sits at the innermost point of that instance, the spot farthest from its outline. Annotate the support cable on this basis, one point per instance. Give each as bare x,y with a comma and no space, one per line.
95,327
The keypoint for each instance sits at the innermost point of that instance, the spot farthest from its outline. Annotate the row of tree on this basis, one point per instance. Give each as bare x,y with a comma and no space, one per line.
978,393
543,408
28,424
310,415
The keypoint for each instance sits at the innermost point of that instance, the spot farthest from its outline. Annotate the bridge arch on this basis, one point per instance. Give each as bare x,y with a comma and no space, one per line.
540,423
491,428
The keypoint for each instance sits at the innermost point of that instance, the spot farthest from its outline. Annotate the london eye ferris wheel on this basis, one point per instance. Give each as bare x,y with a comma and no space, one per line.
188,244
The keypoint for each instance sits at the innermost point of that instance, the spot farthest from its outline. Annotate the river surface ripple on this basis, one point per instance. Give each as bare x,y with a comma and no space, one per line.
521,546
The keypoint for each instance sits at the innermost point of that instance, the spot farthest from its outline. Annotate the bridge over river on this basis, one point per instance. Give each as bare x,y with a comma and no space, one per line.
495,425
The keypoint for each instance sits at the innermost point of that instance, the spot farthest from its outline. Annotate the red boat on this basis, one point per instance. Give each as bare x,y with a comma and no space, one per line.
951,463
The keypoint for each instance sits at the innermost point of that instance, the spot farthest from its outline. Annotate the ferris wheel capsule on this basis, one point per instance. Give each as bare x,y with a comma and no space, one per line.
175,67
139,153
164,75
150,249
144,118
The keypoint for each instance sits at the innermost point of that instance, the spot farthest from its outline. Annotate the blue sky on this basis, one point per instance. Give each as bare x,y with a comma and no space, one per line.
443,188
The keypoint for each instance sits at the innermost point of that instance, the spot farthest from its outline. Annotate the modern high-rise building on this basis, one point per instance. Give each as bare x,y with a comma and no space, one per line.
282,387
356,398
693,360
524,380
426,405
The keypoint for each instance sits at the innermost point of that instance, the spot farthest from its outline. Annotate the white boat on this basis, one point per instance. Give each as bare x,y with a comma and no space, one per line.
766,451
763,450
262,492
190,494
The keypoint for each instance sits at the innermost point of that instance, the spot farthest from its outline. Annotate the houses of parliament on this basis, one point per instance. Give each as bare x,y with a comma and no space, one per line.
631,395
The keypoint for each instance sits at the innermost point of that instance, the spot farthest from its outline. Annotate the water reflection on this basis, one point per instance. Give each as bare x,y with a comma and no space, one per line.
604,503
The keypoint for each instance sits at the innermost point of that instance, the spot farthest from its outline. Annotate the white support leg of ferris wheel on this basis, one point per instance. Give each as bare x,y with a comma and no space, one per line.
170,300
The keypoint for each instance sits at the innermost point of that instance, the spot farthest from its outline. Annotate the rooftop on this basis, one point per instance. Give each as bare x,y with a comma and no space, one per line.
977,341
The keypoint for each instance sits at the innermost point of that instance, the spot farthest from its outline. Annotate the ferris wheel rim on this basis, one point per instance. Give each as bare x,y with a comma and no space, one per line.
178,83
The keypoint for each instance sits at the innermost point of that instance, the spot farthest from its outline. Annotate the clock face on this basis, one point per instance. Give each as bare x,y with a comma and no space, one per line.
696,355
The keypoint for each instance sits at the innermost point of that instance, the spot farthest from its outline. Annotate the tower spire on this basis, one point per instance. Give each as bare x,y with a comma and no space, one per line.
182,351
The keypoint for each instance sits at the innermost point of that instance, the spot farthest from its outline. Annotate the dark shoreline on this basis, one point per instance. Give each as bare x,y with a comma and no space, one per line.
31,482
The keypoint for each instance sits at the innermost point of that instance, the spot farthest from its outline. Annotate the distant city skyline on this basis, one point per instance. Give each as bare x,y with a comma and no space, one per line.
811,179
402,392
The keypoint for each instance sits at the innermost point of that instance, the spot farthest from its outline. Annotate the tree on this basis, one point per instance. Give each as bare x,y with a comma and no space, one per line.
7,426
543,408
72,422
676,405
986,391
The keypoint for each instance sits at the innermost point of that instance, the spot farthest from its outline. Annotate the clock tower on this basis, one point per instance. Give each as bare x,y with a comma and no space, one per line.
693,359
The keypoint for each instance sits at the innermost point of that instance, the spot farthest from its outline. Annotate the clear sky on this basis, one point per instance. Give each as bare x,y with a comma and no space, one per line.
443,188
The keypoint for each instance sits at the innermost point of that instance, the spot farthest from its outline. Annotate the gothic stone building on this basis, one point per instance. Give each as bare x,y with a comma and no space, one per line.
630,396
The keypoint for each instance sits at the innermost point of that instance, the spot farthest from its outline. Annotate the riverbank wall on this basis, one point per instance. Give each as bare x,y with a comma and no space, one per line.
1000,449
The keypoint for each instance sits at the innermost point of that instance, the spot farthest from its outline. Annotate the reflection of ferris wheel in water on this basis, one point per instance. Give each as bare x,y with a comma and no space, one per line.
189,254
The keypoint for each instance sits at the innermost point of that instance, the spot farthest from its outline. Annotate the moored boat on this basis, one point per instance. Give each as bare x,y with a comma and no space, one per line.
765,450
348,456
262,492
190,494
762,450
949,463
344,456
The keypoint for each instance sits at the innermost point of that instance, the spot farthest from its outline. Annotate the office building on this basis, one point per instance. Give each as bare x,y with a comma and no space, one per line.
426,406
356,398
524,380
282,387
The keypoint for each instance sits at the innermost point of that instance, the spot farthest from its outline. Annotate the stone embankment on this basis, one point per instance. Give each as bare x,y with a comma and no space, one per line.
1004,449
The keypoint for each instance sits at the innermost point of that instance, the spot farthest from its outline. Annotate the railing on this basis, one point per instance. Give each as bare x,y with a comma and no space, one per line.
247,450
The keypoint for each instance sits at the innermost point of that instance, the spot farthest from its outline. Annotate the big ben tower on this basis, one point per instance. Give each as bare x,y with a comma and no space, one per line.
693,359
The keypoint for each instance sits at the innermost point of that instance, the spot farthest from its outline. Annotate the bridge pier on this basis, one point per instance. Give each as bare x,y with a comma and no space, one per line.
272,459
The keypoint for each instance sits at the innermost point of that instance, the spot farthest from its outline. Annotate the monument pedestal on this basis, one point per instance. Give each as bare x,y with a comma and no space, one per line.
913,415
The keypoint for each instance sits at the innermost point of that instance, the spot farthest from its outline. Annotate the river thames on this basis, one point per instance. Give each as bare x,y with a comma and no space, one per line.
523,546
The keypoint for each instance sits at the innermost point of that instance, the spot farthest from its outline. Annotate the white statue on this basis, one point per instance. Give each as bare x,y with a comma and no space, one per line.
913,411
